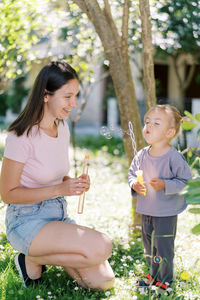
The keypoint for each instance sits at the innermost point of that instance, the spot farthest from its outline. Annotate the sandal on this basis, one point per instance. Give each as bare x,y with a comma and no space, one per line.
144,283
165,287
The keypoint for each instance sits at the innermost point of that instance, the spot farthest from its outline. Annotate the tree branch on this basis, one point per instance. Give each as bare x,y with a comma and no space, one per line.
189,77
175,59
82,5
125,19
147,50
108,15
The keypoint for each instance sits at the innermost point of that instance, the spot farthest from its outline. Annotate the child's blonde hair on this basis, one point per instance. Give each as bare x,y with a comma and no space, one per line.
175,116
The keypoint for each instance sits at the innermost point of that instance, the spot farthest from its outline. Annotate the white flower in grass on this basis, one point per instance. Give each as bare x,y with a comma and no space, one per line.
182,284
134,297
76,288
112,263
58,275
139,239
49,293
131,273
169,290
126,246
125,265
137,261
38,296
130,258
107,293
132,243
142,291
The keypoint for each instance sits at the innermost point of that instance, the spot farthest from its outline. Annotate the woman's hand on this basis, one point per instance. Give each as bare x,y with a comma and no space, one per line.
76,186
139,188
157,183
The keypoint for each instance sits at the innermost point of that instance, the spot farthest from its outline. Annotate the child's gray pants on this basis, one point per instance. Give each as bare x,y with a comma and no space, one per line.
159,255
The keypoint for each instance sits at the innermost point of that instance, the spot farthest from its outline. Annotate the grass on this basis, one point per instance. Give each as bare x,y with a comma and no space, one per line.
108,209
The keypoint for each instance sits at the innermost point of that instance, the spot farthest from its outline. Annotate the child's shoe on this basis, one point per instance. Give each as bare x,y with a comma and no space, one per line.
164,286
146,282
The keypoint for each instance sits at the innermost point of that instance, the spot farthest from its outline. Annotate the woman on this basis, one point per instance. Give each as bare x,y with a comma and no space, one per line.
34,182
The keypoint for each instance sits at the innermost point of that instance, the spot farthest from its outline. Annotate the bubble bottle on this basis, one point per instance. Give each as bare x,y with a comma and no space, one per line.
140,179
85,173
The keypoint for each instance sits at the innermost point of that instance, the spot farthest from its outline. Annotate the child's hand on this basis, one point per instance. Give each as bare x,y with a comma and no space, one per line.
139,188
157,183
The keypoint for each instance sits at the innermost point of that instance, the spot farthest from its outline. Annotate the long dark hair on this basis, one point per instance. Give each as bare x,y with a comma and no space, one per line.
51,78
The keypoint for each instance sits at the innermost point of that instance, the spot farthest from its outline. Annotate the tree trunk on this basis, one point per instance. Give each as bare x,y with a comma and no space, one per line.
184,79
147,50
116,52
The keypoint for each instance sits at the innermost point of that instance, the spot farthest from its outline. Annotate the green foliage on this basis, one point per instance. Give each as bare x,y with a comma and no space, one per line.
192,190
3,104
17,34
85,48
14,96
190,125
178,25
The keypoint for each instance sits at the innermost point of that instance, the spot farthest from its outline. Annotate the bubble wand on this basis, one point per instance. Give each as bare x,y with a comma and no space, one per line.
85,173
139,173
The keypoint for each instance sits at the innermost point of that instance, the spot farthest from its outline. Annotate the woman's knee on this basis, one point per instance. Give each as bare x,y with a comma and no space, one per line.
103,285
102,249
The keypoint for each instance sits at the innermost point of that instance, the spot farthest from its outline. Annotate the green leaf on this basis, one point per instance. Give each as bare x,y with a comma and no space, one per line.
194,182
193,191
194,210
189,115
196,229
189,153
193,200
197,116
188,125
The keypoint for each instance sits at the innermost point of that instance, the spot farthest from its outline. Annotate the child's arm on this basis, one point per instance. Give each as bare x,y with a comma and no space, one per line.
181,173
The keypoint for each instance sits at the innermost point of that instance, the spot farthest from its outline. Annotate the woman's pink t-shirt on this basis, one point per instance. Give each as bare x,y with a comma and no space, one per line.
45,158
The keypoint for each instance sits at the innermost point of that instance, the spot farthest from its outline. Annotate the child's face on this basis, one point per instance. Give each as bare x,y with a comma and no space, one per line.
157,127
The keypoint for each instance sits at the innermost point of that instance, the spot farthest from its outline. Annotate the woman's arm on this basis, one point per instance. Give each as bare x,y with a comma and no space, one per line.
11,192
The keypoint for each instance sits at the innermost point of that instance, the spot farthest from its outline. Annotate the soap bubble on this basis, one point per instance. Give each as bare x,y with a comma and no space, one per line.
120,132
104,130
108,136
112,127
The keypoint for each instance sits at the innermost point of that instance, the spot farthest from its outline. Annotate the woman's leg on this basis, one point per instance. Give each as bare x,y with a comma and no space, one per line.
80,250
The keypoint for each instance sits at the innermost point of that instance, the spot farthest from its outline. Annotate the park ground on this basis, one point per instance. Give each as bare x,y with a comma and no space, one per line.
108,209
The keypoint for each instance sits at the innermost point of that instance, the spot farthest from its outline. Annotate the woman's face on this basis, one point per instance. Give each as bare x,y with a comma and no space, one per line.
60,104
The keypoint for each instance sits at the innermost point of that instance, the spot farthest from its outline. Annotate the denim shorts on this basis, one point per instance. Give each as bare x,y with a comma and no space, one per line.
23,221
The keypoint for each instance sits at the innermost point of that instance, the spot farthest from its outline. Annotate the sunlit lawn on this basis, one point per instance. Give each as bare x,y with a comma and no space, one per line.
108,209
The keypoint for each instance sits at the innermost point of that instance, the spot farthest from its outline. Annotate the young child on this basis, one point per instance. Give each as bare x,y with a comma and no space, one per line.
165,173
